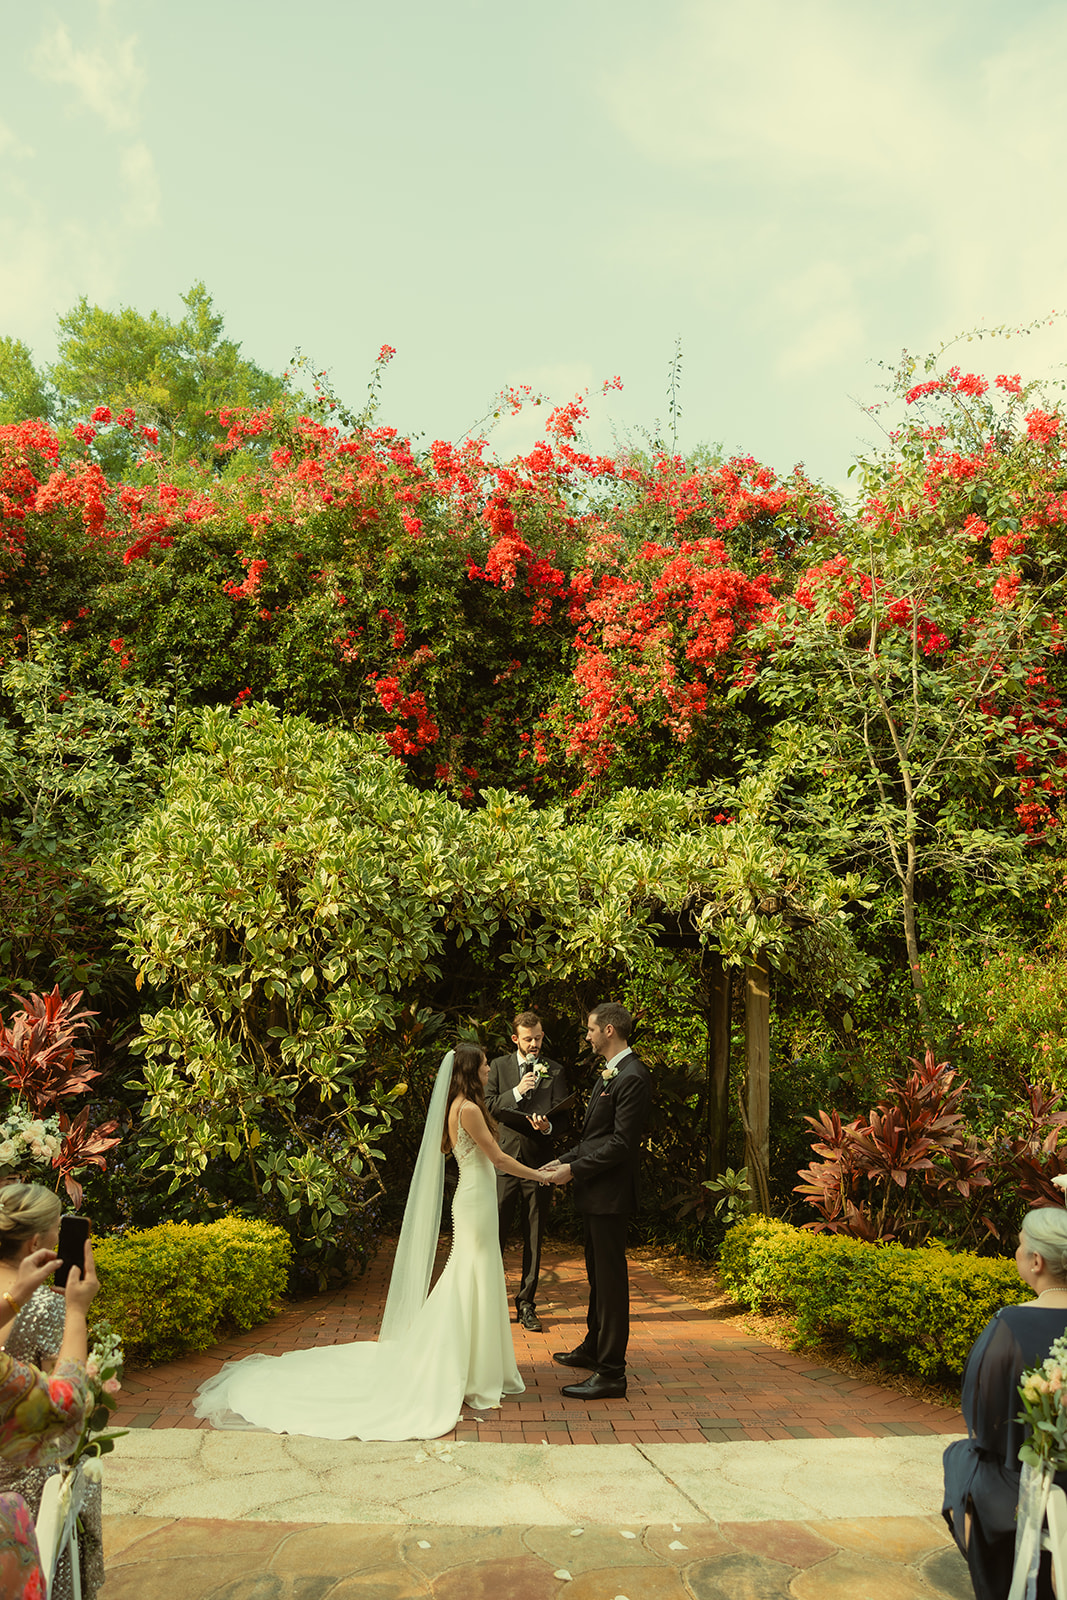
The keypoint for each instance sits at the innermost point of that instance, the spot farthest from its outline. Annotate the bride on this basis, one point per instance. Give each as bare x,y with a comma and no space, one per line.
434,1350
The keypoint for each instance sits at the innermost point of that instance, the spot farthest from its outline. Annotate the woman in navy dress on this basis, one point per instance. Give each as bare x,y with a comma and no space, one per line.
982,1471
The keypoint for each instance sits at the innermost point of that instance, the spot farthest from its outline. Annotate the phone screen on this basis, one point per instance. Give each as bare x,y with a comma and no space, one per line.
73,1232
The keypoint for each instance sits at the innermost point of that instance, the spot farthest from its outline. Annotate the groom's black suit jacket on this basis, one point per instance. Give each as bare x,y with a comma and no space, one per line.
605,1162
532,1148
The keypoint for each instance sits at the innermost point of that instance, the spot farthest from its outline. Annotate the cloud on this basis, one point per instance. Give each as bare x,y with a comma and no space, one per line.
11,146
819,88
141,181
916,150
59,241
107,81
45,267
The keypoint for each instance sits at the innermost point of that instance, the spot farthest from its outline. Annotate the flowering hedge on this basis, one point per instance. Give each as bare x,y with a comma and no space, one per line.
913,1311
170,1289
882,684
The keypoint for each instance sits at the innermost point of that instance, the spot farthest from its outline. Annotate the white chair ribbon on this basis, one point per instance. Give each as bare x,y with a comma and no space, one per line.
57,1525
1034,1486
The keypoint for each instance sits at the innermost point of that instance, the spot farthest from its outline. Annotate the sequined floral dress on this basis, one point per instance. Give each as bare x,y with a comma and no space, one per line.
35,1337
40,1420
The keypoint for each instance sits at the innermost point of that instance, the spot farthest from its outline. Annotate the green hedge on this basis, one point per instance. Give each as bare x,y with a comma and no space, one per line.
169,1289
914,1311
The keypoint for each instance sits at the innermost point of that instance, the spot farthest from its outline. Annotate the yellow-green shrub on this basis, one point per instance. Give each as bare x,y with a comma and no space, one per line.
915,1311
169,1289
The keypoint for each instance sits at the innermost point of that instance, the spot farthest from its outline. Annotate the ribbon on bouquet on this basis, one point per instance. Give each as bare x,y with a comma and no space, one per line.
1034,1486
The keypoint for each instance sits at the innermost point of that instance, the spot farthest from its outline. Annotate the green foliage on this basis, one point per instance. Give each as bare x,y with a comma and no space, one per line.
915,1311
24,392
644,698
731,1194
1005,1012
54,928
294,900
174,375
170,1289
76,768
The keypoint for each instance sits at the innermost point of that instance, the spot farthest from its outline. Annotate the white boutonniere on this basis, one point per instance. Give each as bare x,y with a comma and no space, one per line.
608,1073
539,1070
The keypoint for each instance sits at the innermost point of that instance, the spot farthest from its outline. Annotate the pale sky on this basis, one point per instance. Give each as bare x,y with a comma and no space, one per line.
552,194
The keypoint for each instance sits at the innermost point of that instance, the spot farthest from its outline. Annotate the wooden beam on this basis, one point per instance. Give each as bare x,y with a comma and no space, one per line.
756,1105
717,1020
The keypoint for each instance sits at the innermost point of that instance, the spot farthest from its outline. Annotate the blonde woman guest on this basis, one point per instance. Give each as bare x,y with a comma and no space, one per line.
982,1471
29,1221
40,1417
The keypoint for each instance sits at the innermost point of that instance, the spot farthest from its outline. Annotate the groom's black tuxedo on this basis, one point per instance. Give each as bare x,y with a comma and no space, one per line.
604,1171
533,1149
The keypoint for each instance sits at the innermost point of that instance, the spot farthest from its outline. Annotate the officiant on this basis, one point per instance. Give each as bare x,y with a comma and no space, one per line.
523,1091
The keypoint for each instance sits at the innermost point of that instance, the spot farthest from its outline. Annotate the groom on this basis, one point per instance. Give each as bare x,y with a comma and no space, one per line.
603,1167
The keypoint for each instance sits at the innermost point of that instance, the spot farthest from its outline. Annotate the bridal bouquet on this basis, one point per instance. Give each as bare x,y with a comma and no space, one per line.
1043,1391
104,1367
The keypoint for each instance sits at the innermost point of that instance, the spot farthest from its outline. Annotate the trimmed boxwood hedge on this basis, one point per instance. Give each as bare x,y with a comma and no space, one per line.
915,1311
171,1289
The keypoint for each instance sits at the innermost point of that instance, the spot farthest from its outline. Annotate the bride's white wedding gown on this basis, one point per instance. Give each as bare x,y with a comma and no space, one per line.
458,1348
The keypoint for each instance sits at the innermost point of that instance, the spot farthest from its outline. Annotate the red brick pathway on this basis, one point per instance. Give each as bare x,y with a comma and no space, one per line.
692,1376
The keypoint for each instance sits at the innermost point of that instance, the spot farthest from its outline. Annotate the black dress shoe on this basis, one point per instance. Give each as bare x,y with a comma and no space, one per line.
529,1319
598,1387
574,1358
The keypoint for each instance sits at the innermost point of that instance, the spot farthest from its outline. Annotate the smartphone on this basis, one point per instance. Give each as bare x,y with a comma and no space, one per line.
73,1232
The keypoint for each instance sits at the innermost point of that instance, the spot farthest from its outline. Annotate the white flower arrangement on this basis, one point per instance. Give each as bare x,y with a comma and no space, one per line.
608,1073
104,1367
28,1141
539,1070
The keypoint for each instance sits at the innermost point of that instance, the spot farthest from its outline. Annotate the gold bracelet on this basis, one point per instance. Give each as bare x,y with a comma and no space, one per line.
12,1302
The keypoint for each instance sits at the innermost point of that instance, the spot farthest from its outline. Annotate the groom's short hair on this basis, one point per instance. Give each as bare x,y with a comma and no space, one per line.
526,1019
611,1015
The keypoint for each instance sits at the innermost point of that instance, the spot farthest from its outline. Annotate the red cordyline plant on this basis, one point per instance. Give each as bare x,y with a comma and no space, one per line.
42,1064
1031,1147
901,1173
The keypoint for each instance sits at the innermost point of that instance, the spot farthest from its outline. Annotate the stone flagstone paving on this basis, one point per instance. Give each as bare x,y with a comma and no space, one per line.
888,1558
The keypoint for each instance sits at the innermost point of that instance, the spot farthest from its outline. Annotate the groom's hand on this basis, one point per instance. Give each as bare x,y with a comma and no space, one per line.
555,1173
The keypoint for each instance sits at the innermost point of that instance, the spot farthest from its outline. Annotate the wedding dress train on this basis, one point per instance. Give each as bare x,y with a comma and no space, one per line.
457,1347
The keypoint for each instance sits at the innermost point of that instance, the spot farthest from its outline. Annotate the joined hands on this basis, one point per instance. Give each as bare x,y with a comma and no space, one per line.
555,1172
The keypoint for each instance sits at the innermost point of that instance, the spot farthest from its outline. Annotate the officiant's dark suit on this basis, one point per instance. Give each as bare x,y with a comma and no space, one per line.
604,1172
533,1149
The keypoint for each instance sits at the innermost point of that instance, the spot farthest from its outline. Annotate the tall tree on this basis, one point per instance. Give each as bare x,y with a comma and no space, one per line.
175,376
24,392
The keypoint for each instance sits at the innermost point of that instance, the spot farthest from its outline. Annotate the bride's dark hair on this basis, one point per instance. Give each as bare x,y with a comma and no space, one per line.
466,1085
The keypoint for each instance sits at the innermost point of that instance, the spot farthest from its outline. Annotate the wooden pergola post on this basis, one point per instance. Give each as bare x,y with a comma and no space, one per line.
756,1103
717,1022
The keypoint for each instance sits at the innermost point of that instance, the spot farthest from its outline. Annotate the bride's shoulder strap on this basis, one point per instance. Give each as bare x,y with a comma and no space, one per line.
464,1107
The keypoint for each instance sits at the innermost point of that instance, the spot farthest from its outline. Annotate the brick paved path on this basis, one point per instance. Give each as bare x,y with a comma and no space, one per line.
692,1376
